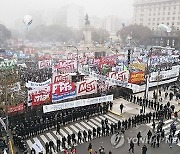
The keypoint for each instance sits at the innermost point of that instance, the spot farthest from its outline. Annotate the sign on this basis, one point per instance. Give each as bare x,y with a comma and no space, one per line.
65,65
110,81
168,74
120,76
63,90
36,84
7,64
76,103
86,87
41,98
137,66
61,78
44,64
16,108
137,77
37,95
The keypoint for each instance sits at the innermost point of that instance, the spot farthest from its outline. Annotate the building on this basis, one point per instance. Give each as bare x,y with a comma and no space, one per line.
71,16
151,13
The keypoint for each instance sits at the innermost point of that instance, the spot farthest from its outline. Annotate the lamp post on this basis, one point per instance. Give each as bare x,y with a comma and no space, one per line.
147,75
77,59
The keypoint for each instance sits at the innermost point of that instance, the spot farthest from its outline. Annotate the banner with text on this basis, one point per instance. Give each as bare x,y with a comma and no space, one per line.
16,108
63,90
76,103
137,77
36,84
44,64
120,76
86,87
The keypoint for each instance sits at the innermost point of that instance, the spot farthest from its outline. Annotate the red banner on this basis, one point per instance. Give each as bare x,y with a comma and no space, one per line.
39,99
63,90
60,78
16,108
86,87
137,77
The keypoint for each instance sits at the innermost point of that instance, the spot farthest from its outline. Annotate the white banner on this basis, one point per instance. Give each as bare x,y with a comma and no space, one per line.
120,76
44,64
36,84
109,80
86,87
174,72
76,103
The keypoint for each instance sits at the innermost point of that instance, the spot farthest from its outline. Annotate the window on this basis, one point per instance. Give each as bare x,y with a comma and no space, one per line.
173,23
162,18
149,14
168,13
177,28
167,23
167,18
149,19
173,18
178,23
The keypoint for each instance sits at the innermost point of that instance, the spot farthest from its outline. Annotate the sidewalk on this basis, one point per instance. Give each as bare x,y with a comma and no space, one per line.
130,109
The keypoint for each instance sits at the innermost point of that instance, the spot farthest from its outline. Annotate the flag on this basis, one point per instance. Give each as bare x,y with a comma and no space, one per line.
124,67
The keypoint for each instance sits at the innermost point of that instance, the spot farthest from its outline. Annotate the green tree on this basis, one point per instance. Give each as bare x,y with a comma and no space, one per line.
100,35
141,35
54,33
4,34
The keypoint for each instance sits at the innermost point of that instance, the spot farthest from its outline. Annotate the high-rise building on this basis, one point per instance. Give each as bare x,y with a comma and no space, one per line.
151,13
112,24
71,16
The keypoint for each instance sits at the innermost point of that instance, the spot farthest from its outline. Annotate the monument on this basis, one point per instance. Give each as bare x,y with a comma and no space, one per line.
87,32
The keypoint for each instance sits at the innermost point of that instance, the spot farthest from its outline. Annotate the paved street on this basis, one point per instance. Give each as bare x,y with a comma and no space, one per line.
129,110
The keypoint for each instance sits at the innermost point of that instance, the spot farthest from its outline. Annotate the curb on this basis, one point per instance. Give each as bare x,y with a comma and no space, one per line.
119,115
11,147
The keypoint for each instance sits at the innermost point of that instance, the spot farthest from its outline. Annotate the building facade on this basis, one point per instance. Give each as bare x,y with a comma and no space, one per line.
151,13
71,16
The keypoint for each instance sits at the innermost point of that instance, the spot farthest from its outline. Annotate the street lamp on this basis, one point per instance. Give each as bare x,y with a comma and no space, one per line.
147,74
77,60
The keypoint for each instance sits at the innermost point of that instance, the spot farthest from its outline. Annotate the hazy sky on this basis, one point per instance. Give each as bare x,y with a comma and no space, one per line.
11,10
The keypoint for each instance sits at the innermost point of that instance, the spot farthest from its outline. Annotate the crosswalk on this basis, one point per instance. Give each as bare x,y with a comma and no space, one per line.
69,129
167,126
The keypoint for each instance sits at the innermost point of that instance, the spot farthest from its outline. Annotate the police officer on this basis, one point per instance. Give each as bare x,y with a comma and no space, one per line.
144,149
89,134
94,133
63,142
79,137
84,135
58,144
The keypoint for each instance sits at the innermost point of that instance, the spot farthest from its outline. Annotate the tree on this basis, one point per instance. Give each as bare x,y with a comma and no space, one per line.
54,33
100,35
4,34
141,35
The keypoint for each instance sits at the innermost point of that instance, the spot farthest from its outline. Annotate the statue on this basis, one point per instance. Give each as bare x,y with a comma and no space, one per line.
87,22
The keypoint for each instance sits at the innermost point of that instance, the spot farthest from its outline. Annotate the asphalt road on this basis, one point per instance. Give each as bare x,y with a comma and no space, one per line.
106,143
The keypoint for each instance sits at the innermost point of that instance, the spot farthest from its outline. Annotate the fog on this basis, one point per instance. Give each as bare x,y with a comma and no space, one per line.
12,11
